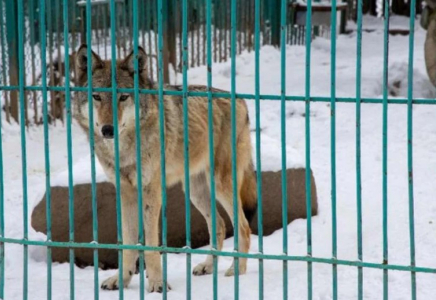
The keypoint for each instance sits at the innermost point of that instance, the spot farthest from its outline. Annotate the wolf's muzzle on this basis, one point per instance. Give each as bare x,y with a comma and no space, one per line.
107,131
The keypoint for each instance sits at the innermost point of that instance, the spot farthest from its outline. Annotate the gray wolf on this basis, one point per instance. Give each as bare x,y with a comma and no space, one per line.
199,163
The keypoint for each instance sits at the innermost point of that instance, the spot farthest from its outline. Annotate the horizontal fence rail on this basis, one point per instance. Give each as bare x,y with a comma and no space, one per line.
223,253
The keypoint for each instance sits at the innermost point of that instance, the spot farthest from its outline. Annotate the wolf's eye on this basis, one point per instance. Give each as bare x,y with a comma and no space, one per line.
96,97
124,97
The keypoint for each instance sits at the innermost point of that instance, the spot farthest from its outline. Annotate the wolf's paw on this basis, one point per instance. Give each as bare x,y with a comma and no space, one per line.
112,283
231,270
157,286
203,269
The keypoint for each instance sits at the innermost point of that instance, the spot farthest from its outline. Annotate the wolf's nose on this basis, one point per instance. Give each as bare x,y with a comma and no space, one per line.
108,131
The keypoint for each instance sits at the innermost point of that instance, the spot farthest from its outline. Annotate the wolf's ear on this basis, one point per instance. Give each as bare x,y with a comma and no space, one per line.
81,61
128,63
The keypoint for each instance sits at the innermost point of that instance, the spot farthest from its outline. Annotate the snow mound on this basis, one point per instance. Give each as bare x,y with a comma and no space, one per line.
398,82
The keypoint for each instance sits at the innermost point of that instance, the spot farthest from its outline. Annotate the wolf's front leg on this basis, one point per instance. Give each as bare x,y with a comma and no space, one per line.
152,207
129,211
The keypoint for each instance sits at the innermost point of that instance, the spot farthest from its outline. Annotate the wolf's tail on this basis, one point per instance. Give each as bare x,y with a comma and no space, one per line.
249,193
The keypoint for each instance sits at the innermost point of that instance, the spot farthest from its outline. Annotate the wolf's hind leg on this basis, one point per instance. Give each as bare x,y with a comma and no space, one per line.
225,196
200,197
129,210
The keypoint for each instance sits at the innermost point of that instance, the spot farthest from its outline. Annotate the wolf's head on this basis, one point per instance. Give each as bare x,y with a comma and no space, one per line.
102,101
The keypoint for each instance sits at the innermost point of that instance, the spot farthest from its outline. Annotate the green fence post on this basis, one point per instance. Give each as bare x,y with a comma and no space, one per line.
2,208
69,144
258,142
211,143
185,63
410,146
233,143
21,82
116,136
333,28
307,99
141,238
385,147
283,11
86,15
358,149
160,16
46,142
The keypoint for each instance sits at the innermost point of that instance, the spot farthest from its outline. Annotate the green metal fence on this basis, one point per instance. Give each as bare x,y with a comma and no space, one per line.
20,88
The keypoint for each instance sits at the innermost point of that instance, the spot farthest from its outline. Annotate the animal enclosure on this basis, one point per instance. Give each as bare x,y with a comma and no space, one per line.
38,72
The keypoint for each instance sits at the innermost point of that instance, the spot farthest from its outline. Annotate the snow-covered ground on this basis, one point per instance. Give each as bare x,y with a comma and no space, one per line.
424,173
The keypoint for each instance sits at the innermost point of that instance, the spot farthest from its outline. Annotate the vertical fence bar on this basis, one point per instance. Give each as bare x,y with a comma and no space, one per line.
21,76
69,144
358,149
138,146
410,146
308,40
116,144
185,63
91,147
333,145
283,11
233,141
211,143
2,208
385,147
258,141
162,144
46,143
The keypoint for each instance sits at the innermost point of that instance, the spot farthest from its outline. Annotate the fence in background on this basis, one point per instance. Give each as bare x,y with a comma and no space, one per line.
147,34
